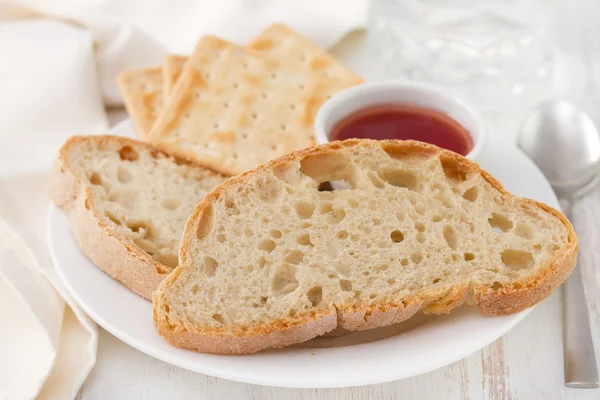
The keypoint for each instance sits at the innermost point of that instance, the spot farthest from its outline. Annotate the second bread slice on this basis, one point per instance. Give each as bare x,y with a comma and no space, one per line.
356,234
128,203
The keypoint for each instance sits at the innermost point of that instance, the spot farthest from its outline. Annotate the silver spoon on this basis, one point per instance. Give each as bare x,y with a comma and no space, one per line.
564,143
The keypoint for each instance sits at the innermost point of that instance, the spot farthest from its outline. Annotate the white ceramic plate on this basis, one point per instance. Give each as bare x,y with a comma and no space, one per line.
422,344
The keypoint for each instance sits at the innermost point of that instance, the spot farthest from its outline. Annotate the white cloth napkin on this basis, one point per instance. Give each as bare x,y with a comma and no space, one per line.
58,63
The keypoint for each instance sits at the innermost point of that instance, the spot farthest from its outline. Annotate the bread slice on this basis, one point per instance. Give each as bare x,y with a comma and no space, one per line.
234,108
128,203
356,234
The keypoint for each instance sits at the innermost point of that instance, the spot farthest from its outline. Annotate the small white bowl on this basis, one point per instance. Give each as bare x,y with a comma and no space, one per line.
423,95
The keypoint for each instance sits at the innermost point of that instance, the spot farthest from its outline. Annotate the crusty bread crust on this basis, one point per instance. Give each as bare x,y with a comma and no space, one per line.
126,263
518,296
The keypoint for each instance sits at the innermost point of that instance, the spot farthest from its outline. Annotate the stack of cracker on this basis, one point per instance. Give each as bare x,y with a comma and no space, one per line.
232,108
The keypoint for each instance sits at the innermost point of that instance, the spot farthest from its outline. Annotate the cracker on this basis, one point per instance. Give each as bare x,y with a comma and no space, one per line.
234,108
142,91
172,67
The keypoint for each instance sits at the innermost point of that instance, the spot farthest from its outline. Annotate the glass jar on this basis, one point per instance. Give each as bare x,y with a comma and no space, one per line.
493,52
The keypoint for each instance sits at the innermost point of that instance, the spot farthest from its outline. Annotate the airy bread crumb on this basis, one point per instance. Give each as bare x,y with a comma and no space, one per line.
356,234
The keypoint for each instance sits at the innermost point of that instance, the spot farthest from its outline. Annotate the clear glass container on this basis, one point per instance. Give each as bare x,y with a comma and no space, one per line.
493,52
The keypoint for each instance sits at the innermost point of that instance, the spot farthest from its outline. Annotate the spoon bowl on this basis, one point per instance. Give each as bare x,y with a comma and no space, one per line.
565,144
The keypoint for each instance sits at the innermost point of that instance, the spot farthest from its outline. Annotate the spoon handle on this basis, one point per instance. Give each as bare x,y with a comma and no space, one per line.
580,360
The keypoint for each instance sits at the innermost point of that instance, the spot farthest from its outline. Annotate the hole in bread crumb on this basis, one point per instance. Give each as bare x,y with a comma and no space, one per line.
329,166
205,223
95,179
419,227
382,267
342,235
408,153
420,237
195,289
497,286
469,256
170,203
400,178
416,257
397,236
453,169
352,203
267,245
470,194
276,234
210,266
145,245
330,186
537,247
112,217
326,207
304,209
304,240
345,285
218,318
170,260
315,295
446,200
261,262
375,180
376,221
436,218
127,153
137,226
221,238
450,236
404,262
517,259
336,216
436,280
284,280
400,216
524,230
294,257
501,222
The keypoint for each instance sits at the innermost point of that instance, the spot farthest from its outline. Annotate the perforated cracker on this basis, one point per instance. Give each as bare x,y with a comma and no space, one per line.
235,108
142,91
172,67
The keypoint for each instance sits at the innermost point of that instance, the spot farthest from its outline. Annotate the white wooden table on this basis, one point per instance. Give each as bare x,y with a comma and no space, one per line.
527,363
